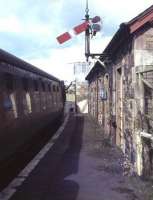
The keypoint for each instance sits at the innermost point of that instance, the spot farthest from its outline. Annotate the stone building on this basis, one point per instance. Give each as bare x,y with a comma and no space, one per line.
121,91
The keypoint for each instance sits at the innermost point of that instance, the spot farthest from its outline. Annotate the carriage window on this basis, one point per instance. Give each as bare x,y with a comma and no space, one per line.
9,81
49,87
25,84
43,86
107,76
54,88
35,85
57,89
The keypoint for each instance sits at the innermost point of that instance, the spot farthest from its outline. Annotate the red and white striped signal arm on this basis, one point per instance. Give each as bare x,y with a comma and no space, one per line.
77,30
80,28
64,37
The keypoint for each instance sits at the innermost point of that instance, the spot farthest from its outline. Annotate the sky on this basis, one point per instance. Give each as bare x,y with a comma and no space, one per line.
28,29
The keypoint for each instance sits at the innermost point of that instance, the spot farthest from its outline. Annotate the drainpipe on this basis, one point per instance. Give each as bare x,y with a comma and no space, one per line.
146,135
76,96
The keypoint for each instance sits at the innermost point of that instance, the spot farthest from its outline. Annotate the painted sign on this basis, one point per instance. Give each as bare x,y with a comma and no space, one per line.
103,94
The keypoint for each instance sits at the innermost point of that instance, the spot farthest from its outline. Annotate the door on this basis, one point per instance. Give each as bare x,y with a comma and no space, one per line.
119,107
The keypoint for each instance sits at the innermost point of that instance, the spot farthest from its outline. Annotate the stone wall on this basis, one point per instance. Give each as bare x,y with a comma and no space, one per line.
128,107
143,51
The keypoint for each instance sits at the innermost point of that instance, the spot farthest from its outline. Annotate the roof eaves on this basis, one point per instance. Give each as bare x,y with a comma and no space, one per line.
141,15
120,35
97,67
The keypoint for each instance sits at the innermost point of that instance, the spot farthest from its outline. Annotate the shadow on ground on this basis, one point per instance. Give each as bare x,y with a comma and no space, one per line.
64,188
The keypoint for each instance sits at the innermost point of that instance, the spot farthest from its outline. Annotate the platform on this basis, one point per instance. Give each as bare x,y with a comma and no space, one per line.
80,165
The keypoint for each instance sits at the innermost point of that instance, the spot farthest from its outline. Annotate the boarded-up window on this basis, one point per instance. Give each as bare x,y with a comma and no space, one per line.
149,42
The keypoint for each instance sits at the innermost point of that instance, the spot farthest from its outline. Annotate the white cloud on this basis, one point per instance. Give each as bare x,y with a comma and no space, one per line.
10,24
99,42
119,10
60,62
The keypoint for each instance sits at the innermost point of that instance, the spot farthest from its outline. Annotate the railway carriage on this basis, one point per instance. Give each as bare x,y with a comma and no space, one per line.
30,99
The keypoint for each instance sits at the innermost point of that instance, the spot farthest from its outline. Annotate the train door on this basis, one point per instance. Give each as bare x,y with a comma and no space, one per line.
147,123
106,105
100,106
2,88
54,97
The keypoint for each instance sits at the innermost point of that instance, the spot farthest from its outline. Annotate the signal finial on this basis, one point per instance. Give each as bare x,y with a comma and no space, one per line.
87,11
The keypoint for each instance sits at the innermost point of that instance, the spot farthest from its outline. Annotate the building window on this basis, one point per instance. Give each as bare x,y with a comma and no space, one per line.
148,101
149,42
